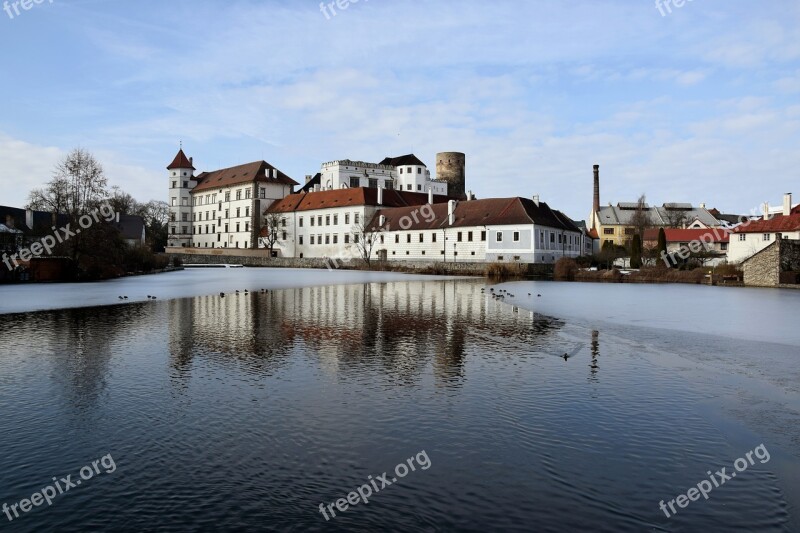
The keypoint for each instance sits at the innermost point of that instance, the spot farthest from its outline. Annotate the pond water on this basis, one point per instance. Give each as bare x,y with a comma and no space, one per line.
249,411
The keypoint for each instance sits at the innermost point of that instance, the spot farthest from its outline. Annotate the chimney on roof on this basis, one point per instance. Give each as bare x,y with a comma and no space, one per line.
430,195
470,196
316,187
380,195
29,218
308,177
596,203
191,161
787,204
536,199
765,210
381,221
451,212
702,205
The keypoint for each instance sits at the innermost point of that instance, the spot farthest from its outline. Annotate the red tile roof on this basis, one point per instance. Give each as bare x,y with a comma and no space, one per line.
776,224
306,201
688,235
593,233
258,171
180,161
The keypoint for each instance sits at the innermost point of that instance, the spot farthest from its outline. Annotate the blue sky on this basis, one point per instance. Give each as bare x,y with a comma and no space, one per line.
700,105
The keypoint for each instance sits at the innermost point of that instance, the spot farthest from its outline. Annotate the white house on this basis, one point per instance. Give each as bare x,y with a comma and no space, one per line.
326,223
223,208
751,237
495,229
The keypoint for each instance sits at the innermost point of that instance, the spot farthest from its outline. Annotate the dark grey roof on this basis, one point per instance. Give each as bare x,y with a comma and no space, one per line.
15,218
130,226
409,159
659,216
309,186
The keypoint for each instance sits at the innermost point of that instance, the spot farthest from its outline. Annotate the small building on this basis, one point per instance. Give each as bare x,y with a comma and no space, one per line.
709,244
775,265
494,229
131,229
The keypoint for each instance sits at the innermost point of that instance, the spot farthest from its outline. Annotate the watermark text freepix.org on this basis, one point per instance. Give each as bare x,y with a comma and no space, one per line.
12,9
365,491
330,7
60,235
665,6
59,487
718,479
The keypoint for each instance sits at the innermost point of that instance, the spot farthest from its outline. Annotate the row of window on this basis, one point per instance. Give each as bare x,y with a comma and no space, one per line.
318,220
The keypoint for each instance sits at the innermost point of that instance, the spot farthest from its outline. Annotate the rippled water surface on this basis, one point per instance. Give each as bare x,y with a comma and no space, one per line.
249,411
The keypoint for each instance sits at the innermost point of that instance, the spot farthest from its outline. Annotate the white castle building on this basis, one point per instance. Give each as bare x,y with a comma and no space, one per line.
223,208
405,173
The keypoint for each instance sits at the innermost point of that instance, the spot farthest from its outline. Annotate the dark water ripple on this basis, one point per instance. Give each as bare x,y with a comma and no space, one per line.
246,413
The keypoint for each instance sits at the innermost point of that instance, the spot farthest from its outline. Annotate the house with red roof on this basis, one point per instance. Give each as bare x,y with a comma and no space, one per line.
751,237
221,208
703,242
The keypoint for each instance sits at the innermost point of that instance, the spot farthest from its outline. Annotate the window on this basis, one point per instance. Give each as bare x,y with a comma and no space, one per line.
239,197
629,231
300,240
355,182
433,237
174,201
319,220
227,213
419,187
401,171
742,237
300,222
408,187
483,236
381,238
408,238
328,239
410,170
724,246
347,218
347,238
226,228
469,236
355,238
283,222
373,183
312,221
355,218
608,231
284,235
247,211
174,184
459,239
560,241
553,238
228,196
185,184
238,212
421,237
397,239
319,239
247,194
335,220
516,236
419,170
499,237
312,239
327,220
247,226
262,193
767,236
237,227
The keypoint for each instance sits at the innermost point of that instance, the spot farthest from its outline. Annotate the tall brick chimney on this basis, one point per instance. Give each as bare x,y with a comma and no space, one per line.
596,203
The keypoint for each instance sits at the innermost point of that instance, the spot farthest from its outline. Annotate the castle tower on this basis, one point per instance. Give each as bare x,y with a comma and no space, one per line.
452,168
181,183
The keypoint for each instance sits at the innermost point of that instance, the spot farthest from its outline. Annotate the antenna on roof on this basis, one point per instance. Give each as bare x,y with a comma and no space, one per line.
181,144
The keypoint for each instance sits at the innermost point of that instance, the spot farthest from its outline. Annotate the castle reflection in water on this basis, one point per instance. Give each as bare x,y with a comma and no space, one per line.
400,327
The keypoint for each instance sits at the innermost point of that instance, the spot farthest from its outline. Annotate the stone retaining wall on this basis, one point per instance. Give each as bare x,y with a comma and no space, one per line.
764,268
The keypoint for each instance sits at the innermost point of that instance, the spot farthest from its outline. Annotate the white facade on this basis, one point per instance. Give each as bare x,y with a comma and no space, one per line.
346,173
744,245
329,232
232,216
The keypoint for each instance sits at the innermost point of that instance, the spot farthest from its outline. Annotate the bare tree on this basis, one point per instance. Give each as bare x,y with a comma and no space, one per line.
641,217
675,218
364,239
124,203
269,232
78,185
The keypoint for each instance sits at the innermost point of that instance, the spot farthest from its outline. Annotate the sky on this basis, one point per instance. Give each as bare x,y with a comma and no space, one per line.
698,103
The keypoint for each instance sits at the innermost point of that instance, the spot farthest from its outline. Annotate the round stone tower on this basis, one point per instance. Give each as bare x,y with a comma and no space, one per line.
451,167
